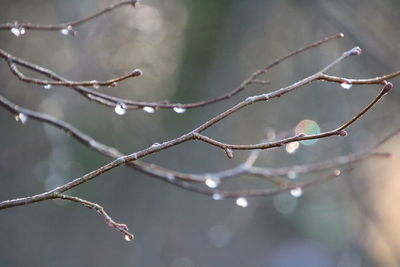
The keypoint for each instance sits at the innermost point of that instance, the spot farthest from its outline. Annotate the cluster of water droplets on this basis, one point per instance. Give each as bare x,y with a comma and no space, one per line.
18,31
21,117
68,31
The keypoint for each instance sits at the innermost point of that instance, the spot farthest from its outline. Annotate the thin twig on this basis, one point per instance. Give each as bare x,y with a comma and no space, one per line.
123,228
111,101
66,25
94,83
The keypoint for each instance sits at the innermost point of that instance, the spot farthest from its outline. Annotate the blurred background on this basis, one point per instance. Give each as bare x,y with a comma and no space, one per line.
189,51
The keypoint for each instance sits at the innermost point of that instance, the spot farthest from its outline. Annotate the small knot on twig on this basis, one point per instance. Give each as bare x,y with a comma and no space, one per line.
388,86
356,51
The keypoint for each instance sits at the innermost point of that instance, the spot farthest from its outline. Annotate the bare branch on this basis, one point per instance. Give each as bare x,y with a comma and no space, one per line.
94,83
111,101
123,228
68,26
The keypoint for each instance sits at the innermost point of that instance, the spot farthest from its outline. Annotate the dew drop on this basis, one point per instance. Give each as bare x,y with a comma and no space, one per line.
212,182
64,31
95,84
292,147
120,109
149,109
346,85
21,117
217,196
16,31
337,172
170,177
296,192
155,145
22,31
292,174
47,86
242,202
128,237
68,30
113,84
179,110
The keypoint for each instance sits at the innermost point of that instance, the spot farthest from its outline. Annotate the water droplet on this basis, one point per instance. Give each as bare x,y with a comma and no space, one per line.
337,172
22,31
64,31
292,174
217,196
212,182
95,84
179,110
149,109
21,117
68,30
170,177
346,85
292,147
296,192
155,145
128,237
242,202
113,84
47,86
16,31
120,109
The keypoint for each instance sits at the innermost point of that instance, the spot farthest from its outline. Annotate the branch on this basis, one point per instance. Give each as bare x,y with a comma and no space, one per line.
126,104
94,83
340,131
66,27
123,228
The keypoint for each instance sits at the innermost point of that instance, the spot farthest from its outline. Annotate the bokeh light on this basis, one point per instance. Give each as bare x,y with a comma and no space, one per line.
308,127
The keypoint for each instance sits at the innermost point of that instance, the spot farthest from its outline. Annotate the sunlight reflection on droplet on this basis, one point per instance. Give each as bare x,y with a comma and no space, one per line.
64,31
47,86
128,238
21,117
120,109
212,182
179,110
346,85
308,127
292,147
337,172
296,192
149,109
242,202
17,31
